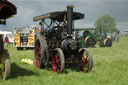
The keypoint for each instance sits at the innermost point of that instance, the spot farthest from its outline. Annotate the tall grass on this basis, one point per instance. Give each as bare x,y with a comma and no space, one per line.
110,68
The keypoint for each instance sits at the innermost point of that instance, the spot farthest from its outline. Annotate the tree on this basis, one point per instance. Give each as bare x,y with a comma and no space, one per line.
106,23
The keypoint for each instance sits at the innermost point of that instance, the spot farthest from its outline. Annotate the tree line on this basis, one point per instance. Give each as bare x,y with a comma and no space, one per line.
106,23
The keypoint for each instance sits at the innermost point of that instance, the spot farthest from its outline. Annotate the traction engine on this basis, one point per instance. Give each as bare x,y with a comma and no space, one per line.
59,44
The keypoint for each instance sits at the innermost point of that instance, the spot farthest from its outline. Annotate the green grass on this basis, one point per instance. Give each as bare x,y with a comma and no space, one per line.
110,68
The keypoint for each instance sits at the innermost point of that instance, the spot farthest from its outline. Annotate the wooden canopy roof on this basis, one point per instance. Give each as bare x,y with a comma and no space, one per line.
59,16
7,9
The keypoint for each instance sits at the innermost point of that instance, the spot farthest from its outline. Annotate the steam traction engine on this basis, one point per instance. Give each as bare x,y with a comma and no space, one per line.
58,43
87,39
103,39
7,10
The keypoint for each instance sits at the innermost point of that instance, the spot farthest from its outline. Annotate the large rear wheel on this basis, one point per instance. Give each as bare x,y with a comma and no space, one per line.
108,43
89,42
87,60
41,53
58,61
101,43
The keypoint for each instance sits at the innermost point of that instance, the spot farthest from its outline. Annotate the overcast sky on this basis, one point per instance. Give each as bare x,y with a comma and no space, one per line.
93,9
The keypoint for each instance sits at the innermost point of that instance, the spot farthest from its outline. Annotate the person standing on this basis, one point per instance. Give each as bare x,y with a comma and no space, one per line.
118,36
6,41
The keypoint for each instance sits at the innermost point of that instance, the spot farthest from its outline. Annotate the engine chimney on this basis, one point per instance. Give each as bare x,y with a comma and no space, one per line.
69,19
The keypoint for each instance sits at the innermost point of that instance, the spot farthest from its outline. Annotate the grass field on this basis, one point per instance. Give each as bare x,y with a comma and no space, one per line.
110,68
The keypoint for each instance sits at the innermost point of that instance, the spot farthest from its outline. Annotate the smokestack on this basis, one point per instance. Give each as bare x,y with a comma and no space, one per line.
69,19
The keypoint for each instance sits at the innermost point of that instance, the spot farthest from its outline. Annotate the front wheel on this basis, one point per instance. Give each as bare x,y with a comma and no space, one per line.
86,60
58,61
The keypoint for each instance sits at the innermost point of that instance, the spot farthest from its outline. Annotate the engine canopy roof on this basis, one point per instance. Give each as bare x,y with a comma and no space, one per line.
59,16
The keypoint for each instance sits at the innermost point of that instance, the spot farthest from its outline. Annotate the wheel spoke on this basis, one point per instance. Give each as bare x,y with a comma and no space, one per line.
54,65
